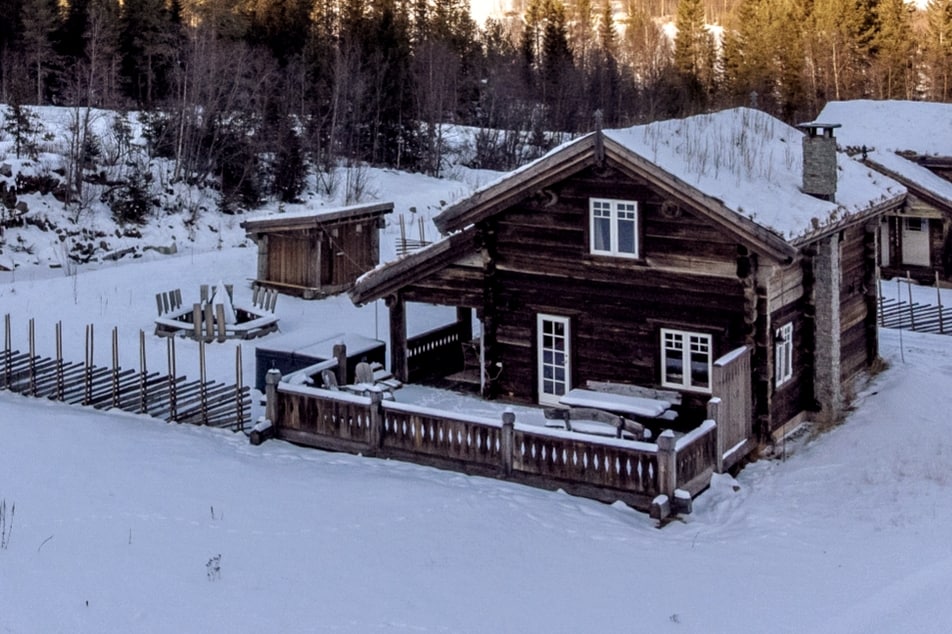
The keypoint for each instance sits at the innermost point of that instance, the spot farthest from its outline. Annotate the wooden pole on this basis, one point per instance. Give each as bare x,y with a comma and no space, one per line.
912,314
239,401
88,379
115,366
8,348
882,319
209,323
143,375
506,442
59,361
197,321
32,357
203,387
170,357
938,295
220,319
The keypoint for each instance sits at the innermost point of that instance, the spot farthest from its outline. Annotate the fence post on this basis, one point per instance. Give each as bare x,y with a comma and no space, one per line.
340,353
506,441
713,410
376,421
173,386
32,358
88,369
143,375
8,351
239,388
271,380
59,361
667,463
115,367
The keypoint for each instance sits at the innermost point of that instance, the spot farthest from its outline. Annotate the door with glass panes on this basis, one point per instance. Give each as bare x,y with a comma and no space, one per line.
554,358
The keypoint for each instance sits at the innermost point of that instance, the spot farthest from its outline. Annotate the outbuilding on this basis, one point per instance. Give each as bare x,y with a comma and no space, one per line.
318,253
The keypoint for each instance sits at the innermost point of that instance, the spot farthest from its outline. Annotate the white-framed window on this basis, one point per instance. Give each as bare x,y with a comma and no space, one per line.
783,354
686,360
613,227
553,346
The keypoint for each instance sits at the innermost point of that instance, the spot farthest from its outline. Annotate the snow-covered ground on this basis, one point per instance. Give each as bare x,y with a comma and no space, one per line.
117,518
113,522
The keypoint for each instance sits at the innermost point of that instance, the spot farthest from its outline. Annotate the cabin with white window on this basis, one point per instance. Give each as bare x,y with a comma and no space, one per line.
657,256
910,142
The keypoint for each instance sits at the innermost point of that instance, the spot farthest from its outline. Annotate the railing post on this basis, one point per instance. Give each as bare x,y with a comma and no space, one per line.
271,380
506,442
713,407
667,463
340,353
376,421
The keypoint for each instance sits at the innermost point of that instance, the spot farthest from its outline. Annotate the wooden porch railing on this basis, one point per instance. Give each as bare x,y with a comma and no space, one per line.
605,469
434,353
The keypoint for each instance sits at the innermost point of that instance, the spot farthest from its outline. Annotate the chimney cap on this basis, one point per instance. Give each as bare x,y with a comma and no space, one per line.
812,127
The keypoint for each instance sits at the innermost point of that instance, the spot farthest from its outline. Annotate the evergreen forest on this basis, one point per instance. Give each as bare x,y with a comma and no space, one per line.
325,82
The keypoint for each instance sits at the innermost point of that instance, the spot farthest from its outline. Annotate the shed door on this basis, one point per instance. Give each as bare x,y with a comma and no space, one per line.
289,259
553,346
915,241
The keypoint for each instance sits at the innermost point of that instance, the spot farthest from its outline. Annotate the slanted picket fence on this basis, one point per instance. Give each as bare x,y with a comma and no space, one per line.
165,396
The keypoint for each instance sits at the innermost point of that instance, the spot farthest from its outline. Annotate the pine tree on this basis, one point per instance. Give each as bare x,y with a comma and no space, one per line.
694,53
39,20
938,49
894,49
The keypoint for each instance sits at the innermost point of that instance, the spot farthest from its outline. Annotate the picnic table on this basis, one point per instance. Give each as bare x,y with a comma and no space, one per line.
621,404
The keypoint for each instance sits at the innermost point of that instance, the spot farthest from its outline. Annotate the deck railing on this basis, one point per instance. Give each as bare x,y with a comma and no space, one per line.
435,352
606,469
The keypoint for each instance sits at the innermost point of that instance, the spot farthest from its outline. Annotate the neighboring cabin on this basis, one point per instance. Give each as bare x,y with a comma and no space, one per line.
316,254
643,255
911,142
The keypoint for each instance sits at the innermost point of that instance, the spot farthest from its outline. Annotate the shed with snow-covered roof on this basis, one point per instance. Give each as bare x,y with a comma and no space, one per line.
652,256
318,253
911,142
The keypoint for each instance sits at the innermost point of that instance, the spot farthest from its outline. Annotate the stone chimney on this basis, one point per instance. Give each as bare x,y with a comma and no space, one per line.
819,160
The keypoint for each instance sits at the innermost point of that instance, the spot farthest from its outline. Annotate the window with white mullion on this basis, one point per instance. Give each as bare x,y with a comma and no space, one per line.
686,360
783,354
614,227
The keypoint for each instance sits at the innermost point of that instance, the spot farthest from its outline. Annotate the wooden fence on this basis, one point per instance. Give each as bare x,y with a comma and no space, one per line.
165,396
605,469
732,407
911,315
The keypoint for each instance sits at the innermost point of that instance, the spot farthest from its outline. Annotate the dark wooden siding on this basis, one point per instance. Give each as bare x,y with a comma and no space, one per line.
857,301
291,258
795,395
686,278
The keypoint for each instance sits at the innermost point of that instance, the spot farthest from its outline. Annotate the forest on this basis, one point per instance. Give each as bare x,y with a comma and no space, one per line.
316,83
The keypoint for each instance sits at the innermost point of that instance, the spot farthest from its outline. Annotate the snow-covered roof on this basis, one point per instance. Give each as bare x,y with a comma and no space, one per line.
307,215
922,127
913,174
752,162
742,164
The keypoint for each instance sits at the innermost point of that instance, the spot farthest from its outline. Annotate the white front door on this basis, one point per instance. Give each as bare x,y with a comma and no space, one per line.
915,241
552,344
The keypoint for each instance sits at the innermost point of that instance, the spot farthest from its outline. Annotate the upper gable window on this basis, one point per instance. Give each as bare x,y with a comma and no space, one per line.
614,227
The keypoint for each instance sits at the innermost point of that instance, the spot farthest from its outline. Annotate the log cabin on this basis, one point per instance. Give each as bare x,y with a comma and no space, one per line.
911,142
317,253
650,255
